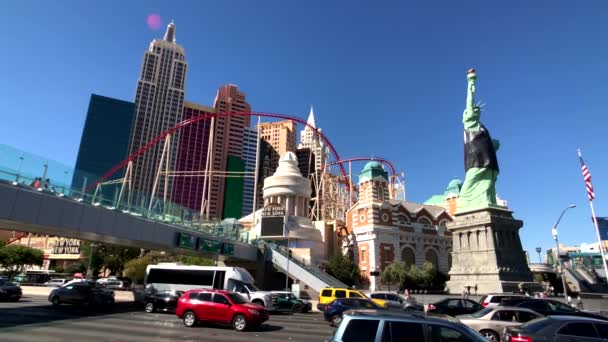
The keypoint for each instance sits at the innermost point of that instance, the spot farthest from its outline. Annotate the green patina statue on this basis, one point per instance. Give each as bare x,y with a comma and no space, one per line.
480,162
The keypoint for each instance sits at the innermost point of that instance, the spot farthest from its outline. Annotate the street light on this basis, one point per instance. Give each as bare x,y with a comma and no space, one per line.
554,233
538,250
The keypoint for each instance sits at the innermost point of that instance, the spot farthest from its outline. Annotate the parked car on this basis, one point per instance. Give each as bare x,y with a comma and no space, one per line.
219,306
9,291
390,326
333,312
329,294
454,306
559,328
492,321
82,293
397,301
287,301
548,307
56,282
162,301
492,299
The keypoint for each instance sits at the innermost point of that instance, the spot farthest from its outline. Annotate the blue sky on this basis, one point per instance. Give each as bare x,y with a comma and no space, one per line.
386,78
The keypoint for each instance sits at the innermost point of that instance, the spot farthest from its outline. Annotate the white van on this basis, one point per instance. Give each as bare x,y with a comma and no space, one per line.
180,277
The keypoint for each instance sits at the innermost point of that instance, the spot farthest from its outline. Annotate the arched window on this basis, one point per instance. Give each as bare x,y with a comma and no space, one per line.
403,219
408,257
443,223
380,192
432,257
425,221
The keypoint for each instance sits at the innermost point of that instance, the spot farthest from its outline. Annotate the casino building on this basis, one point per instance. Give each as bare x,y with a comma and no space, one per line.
381,231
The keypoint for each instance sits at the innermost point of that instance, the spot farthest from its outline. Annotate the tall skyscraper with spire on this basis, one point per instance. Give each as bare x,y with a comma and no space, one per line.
159,105
311,140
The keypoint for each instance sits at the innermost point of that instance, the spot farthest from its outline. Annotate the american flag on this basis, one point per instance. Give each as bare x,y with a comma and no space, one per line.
587,178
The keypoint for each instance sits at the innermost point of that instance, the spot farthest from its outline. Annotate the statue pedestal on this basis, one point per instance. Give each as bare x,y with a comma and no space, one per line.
487,252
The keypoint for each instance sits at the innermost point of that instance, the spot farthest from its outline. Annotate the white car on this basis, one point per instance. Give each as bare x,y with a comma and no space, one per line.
56,282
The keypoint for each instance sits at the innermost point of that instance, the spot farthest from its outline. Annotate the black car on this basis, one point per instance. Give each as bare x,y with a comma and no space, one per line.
559,328
162,301
454,306
9,291
83,293
547,307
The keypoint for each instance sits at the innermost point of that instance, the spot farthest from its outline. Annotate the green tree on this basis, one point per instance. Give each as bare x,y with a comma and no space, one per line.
13,258
343,269
136,269
111,257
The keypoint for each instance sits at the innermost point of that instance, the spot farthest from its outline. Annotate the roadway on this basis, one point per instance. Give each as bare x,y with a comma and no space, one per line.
33,319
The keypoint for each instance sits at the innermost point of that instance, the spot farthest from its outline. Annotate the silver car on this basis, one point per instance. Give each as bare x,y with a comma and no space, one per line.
560,329
492,322
392,326
397,301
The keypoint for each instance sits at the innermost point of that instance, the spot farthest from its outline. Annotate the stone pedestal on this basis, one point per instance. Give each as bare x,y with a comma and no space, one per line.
487,252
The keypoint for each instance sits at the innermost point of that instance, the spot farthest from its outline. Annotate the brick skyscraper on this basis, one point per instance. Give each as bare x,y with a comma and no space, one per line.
159,105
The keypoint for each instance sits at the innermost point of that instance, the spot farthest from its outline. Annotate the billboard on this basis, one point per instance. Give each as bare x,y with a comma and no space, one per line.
273,220
187,241
602,224
207,245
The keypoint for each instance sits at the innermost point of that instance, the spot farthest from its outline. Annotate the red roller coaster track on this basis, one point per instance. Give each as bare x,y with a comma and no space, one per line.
190,121
382,160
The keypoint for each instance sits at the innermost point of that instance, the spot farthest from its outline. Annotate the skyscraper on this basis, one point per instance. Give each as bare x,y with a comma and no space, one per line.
98,153
192,156
250,140
310,139
159,105
281,136
228,132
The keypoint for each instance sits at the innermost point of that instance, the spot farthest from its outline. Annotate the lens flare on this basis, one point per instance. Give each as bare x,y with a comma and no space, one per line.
154,21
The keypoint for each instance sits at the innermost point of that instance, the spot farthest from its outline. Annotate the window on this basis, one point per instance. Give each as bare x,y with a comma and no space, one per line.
340,294
425,221
481,312
445,334
504,315
557,306
352,294
362,330
180,276
524,316
402,331
538,306
602,330
378,295
202,296
220,299
578,329
453,303
392,297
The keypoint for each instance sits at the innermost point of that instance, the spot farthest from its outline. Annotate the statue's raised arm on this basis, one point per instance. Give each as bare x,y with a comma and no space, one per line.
471,115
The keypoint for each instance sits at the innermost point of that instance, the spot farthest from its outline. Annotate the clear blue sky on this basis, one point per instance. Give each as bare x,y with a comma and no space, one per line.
387,78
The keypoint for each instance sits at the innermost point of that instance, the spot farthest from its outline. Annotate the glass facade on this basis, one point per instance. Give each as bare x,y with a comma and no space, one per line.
104,142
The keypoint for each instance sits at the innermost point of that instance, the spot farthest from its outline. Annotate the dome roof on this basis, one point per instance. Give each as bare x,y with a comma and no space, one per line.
454,183
374,164
290,156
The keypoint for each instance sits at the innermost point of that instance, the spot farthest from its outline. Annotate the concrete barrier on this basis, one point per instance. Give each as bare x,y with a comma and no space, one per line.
119,296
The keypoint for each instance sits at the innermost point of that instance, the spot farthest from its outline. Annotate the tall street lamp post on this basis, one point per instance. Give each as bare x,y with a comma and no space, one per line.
554,232
538,250
88,275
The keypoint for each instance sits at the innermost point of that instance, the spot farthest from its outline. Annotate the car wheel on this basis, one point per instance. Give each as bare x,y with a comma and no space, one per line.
335,320
298,308
189,319
490,335
150,307
55,301
239,322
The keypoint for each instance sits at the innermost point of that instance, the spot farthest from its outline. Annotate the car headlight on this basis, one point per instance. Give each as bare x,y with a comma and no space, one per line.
253,311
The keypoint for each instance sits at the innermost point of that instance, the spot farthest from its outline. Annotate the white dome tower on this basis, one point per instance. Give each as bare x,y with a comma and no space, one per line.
288,188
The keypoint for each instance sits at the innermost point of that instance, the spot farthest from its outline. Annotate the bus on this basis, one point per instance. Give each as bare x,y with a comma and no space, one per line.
180,277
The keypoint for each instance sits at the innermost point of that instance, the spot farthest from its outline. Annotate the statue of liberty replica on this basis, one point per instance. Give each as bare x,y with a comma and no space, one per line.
487,252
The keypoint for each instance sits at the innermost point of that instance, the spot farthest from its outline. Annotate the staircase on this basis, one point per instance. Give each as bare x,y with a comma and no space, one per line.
306,273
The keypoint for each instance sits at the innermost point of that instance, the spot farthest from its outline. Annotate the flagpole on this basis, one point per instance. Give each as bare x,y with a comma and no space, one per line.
599,239
591,196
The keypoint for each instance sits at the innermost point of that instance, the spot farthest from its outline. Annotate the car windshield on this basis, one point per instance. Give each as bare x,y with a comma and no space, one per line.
556,306
251,287
237,298
481,312
536,324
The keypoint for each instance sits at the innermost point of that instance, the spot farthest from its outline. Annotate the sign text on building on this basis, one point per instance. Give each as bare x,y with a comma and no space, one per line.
66,247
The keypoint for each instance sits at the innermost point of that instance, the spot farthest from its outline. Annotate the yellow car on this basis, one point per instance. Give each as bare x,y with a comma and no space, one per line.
329,294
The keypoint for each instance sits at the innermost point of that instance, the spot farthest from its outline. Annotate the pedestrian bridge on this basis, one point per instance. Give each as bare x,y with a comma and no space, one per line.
26,209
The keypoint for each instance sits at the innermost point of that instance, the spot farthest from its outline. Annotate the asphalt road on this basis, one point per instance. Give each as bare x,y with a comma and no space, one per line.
33,319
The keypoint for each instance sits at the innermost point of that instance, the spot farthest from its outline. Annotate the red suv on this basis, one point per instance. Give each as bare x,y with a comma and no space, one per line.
221,307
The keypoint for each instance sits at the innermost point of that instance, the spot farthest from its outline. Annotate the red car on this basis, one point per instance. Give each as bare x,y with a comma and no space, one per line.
220,307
